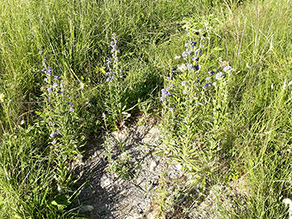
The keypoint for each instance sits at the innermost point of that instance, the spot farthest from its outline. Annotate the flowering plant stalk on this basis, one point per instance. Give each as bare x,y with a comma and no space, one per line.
115,89
195,106
60,119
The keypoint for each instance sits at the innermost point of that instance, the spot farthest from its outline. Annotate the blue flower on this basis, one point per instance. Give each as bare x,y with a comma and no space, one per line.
190,66
185,91
219,75
197,67
49,90
49,72
211,73
184,83
52,135
56,77
227,68
71,109
110,79
163,91
55,133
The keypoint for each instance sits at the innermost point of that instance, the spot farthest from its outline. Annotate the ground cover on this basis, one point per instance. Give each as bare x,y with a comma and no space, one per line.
215,76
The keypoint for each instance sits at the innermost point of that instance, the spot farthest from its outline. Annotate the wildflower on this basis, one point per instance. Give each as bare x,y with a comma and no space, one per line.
210,84
163,91
172,85
202,45
182,67
56,77
49,72
162,98
176,57
208,78
171,109
186,53
44,70
55,85
219,75
195,58
44,62
49,90
54,141
169,78
59,92
71,109
114,36
2,97
205,34
183,83
227,68
190,67
107,74
110,79
288,202
197,51
211,73
55,133
108,61
197,67
46,79
70,103
185,91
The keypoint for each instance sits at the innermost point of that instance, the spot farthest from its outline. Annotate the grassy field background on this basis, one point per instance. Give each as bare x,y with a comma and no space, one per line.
58,90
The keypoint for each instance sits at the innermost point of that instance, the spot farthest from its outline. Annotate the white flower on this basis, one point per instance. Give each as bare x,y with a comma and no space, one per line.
1,97
182,67
288,202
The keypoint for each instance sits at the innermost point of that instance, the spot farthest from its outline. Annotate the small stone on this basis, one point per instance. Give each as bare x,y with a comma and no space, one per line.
105,181
152,165
178,167
86,208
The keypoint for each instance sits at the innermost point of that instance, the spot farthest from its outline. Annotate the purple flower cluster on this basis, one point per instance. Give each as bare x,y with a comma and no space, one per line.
112,63
115,49
193,47
47,69
164,94
71,106
55,87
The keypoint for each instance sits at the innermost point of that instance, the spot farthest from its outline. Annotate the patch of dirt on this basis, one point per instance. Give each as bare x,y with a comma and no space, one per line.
126,180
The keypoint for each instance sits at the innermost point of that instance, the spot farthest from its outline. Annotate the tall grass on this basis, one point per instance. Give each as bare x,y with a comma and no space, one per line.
241,132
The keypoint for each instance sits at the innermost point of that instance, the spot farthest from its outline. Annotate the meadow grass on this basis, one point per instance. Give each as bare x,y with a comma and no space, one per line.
237,128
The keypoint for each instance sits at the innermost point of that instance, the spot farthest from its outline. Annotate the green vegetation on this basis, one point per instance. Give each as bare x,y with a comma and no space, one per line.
216,73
